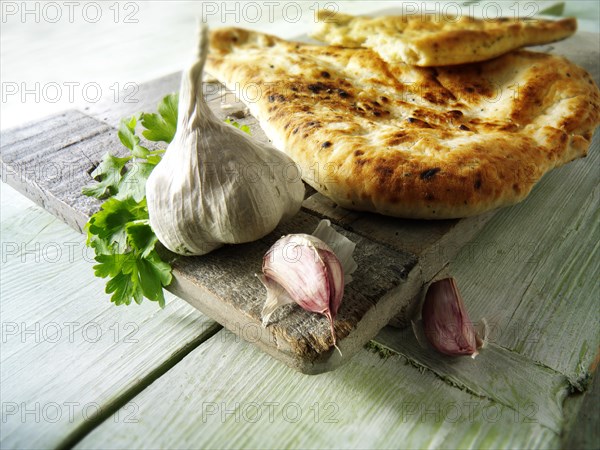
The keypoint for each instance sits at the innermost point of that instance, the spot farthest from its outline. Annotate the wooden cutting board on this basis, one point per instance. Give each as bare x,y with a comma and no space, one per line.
51,160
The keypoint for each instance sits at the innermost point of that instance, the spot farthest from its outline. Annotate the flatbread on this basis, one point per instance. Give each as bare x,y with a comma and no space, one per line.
405,141
437,40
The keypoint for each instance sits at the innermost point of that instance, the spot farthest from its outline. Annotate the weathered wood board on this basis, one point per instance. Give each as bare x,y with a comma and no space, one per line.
51,160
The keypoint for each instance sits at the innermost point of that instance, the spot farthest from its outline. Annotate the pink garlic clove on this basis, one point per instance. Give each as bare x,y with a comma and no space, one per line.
310,273
445,320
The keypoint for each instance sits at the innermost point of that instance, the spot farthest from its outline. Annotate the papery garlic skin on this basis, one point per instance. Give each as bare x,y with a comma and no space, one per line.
341,246
445,320
215,185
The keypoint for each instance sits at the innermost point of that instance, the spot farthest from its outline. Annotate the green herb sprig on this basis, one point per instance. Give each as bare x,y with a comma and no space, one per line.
120,232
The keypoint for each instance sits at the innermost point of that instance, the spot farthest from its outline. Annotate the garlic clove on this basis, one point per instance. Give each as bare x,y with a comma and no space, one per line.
445,320
309,272
304,269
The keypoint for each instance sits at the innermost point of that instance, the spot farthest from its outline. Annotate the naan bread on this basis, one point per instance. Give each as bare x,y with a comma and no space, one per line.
405,141
437,40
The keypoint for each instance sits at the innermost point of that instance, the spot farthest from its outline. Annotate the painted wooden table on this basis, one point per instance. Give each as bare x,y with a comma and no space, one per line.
77,371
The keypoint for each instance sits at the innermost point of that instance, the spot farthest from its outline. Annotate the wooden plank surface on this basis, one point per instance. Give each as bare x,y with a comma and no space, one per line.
581,427
409,397
236,397
538,270
50,162
69,357
380,415
498,374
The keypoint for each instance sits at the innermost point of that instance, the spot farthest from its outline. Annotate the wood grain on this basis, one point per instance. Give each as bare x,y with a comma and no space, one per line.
537,267
221,284
371,402
529,386
69,356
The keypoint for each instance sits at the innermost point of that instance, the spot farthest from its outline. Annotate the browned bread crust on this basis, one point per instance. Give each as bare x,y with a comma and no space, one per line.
411,142
436,40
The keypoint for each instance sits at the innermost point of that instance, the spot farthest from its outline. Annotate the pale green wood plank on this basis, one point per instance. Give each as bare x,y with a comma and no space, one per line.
62,339
498,374
583,431
369,403
534,270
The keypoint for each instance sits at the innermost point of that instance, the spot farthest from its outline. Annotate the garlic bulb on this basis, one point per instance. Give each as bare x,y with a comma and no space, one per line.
215,185
302,268
446,324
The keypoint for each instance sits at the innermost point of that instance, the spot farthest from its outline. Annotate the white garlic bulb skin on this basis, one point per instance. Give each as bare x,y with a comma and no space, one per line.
215,185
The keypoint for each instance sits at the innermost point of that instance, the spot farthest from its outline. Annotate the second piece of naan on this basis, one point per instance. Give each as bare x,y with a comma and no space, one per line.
437,40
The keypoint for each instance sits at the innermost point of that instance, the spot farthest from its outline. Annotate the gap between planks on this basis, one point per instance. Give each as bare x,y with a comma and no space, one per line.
108,410
378,403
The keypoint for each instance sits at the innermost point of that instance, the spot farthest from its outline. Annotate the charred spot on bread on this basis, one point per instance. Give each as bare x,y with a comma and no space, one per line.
430,173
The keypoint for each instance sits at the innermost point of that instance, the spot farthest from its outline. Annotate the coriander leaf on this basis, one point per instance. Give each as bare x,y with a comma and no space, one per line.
130,268
155,156
244,128
129,139
126,132
98,190
139,151
133,183
162,269
138,295
109,265
109,223
153,275
141,237
122,284
108,174
123,288
100,246
162,126
120,232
